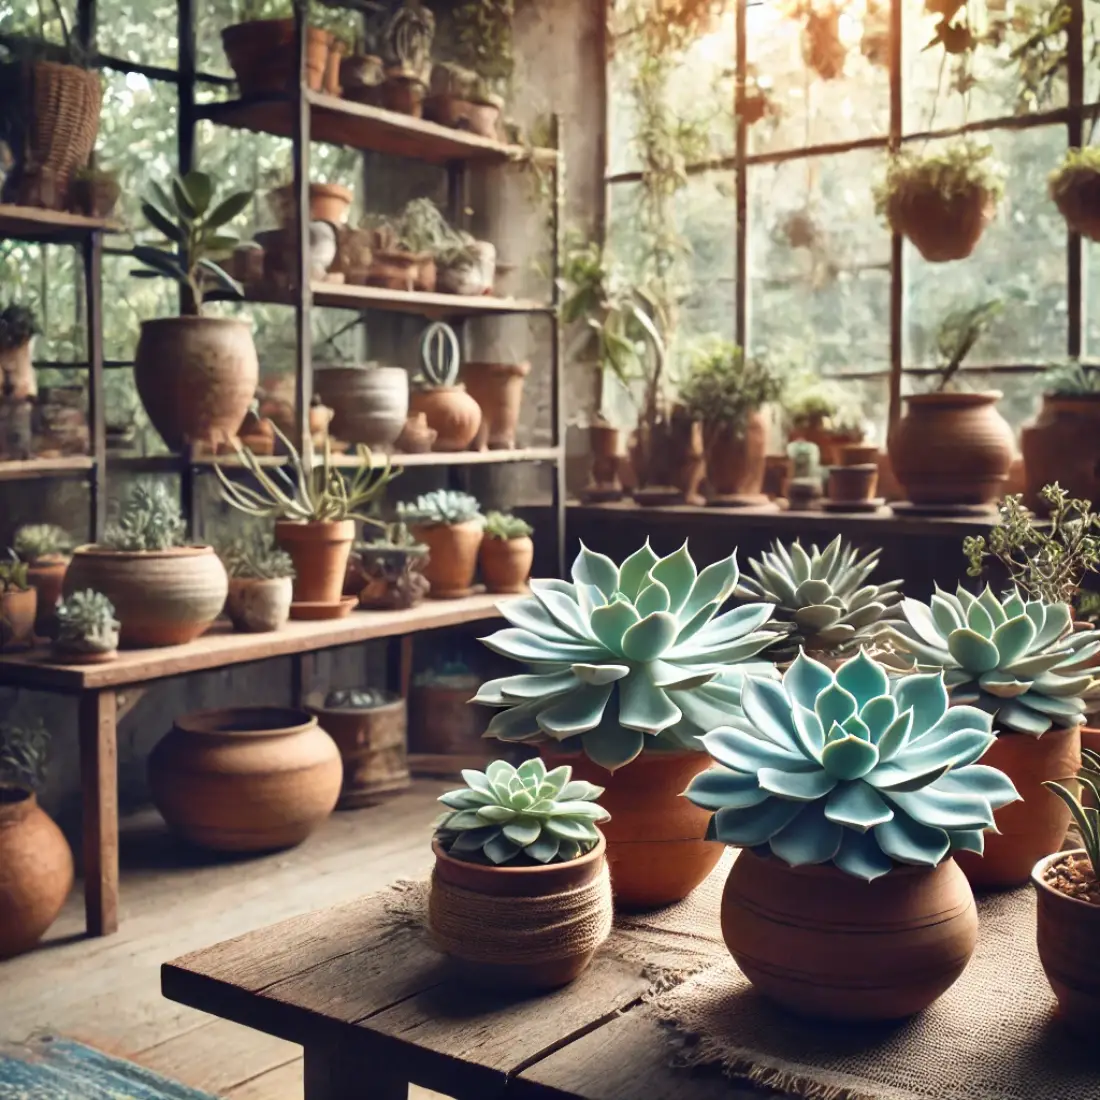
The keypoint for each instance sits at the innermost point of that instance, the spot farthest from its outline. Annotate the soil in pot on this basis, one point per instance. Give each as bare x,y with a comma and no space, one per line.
257,605
1063,445
946,227
853,484
498,390
506,564
827,945
451,412
452,557
370,404
46,576
17,615
320,554
736,462
655,845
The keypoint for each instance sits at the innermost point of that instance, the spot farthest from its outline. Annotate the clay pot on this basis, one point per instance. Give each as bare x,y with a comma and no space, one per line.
36,871
256,605
453,414
858,454
197,377
426,273
952,448
280,253
452,556
96,196
262,56
161,597
416,437
403,95
1036,826
320,554
827,945
1063,445
944,227
777,474
1067,931
17,373
392,579
472,274
328,202
1079,204
687,460
462,114
606,445
506,563
369,404
332,69
830,442
46,576
655,844
735,463
853,483
498,389
17,615
520,882
245,779
372,750
442,722
393,270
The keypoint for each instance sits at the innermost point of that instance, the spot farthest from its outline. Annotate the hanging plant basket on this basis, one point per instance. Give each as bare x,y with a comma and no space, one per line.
1075,189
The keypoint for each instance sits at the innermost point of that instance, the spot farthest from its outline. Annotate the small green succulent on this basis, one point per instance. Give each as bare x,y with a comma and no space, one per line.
501,525
35,541
626,658
852,768
1086,817
150,519
442,507
256,558
86,623
508,815
824,594
13,574
1019,660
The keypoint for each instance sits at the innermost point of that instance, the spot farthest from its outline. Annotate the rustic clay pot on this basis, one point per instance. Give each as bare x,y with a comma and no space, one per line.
1063,445
855,483
46,576
858,454
498,389
426,273
245,779
393,270
452,556
416,437
17,616
262,57
369,404
97,196
442,722
1036,826
735,464
17,373
461,114
372,750
404,95
828,945
319,552
328,202
197,377
361,75
451,412
506,563
945,227
521,882
332,68
952,448
36,871
656,466
1067,932
606,445
256,605
655,844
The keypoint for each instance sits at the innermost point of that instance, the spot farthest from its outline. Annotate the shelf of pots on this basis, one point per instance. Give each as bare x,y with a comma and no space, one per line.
261,584
506,553
449,410
452,527
520,895
18,606
36,864
32,223
45,549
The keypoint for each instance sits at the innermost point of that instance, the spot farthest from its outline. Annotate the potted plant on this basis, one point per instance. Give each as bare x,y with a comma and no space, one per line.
438,394
459,98
261,584
261,53
392,570
36,864
818,412
498,390
328,202
424,232
18,328
634,665
370,403
953,447
506,553
727,394
467,266
1068,889
96,191
87,630
520,895
18,604
1075,189
45,548
941,201
407,47
451,525
849,794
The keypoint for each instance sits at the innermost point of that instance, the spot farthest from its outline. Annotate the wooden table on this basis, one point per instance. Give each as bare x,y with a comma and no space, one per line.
96,688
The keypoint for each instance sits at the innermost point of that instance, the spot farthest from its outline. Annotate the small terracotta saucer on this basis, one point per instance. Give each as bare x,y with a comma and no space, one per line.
316,611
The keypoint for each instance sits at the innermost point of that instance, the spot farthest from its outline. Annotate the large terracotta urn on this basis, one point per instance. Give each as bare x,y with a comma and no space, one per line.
498,389
1063,446
736,460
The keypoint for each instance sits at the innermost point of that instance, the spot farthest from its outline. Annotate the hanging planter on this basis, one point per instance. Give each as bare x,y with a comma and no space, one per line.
1075,189
822,50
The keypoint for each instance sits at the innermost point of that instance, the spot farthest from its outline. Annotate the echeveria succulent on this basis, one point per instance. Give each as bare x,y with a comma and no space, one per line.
852,768
1017,659
515,815
626,658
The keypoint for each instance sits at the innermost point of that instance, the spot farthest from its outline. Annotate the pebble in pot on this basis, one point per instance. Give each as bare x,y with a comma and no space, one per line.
449,409
506,553
451,525
87,629
45,548
520,895
261,585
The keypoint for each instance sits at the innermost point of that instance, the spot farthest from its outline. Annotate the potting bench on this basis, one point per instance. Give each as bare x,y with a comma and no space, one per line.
96,688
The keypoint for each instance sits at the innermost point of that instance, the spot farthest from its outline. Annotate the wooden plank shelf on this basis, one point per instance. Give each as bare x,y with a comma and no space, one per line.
33,223
28,469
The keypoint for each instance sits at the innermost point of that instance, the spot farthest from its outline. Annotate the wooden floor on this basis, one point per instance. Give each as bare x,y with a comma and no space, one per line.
106,992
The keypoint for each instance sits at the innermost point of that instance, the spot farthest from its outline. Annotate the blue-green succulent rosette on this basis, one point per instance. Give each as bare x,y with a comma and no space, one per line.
627,658
852,768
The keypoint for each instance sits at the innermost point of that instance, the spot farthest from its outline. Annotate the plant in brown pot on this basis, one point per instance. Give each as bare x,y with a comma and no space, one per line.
520,894
36,864
1075,189
498,390
261,584
438,394
635,665
87,629
849,793
459,98
18,605
506,553
260,49
407,46
391,570
451,525
45,548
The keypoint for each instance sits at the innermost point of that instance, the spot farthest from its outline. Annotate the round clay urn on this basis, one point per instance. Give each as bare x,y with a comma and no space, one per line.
1063,446
506,563
36,871
369,404
825,944
655,845
952,448
736,460
245,779
451,412
320,553
498,390
452,556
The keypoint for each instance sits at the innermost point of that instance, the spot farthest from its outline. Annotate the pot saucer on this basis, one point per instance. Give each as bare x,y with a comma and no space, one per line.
315,611
658,496
908,508
741,500
853,506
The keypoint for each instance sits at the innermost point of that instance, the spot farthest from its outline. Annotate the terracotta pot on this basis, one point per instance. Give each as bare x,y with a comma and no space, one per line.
442,722
332,68
17,372
416,437
161,597
361,75
391,579
944,227
452,556
735,464
827,945
369,404
97,196
17,616
952,448
655,844
656,465
1067,931
687,461
521,882
426,274
36,871
853,483
372,750
1090,739
1063,445
259,604
320,555
403,95
858,454
46,576
197,377
451,412
830,442
462,114
606,445
777,475
393,270
245,779
261,54
506,563
1036,826
328,202
498,389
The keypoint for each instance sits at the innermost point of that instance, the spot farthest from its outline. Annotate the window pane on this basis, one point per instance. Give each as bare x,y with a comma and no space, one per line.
211,18
139,30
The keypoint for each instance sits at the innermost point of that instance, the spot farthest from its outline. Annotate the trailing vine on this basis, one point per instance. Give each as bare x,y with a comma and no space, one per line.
482,39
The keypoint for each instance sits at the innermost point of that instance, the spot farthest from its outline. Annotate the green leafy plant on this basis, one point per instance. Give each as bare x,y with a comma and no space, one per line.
1072,379
1045,561
1087,818
187,216
500,525
256,558
440,508
13,575
24,755
959,331
811,401
508,816
18,325
1074,187
1019,660
626,658
852,768
34,542
723,388
150,519
423,228
481,33
86,623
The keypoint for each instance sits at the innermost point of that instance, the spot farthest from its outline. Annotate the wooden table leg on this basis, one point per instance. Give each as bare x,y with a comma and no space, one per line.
99,780
334,1073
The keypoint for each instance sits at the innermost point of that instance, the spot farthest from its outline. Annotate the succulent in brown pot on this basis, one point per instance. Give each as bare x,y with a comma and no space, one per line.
18,605
45,548
261,583
451,525
506,553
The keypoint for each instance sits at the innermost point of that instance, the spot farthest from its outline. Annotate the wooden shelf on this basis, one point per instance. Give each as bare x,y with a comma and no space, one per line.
342,122
455,458
32,223
44,467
